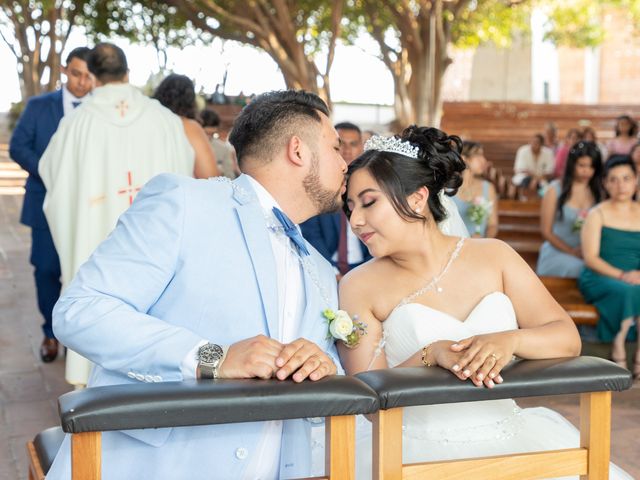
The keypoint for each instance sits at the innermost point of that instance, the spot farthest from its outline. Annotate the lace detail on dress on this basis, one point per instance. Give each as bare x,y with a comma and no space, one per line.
434,281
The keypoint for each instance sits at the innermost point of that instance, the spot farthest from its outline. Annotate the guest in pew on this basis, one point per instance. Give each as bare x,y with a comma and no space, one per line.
626,136
476,198
434,300
635,156
573,136
533,166
611,251
177,93
589,135
551,136
564,208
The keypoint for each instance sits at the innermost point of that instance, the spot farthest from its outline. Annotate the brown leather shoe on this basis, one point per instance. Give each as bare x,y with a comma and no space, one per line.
49,350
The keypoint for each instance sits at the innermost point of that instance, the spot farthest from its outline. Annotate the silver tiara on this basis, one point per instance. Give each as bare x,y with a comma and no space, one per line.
391,144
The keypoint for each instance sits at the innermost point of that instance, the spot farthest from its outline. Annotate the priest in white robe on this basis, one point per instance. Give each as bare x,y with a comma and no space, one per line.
99,158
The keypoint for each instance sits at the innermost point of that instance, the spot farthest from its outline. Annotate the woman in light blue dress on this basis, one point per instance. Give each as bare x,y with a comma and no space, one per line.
564,208
475,189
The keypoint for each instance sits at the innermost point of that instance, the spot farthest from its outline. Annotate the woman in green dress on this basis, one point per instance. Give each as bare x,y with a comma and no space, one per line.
611,251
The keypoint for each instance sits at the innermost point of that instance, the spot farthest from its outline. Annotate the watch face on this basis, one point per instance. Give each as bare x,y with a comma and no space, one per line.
209,353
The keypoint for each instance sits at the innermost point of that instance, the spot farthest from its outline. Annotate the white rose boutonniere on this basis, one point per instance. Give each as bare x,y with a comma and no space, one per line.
343,327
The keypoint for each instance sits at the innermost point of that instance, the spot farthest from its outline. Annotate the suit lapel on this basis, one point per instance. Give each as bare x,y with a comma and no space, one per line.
256,235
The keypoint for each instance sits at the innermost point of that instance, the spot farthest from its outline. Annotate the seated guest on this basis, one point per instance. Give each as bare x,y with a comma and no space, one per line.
476,198
589,135
635,156
534,164
551,136
225,154
573,137
177,93
564,208
330,233
611,251
626,136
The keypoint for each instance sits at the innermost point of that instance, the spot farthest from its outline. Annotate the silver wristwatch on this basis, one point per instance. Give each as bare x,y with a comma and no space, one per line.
209,358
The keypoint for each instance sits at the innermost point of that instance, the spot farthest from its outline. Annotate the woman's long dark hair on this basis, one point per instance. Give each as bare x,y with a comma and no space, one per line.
579,150
177,93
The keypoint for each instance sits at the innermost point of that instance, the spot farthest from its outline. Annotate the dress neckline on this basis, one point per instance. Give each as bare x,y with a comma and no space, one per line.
475,307
620,229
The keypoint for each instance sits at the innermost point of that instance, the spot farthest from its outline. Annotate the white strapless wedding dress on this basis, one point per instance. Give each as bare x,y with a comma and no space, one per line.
463,430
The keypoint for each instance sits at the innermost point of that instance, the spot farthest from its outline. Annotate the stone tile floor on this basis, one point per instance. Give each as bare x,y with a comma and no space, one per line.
29,389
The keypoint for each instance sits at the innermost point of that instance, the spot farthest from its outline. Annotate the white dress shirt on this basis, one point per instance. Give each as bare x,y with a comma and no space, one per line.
539,166
67,100
265,461
354,249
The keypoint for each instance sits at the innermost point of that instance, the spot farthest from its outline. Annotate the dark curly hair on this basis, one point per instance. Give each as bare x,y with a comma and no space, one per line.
438,167
178,94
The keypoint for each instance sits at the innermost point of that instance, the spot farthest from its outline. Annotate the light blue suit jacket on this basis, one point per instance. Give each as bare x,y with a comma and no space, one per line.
190,260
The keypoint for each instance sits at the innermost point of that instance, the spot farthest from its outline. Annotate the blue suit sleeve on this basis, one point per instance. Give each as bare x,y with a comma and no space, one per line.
312,232
22,144
103,314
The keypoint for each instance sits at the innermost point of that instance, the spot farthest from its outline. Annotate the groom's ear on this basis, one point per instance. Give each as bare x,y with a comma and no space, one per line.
418,199
295,148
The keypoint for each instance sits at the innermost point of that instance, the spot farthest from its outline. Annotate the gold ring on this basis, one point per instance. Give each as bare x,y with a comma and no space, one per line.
495,357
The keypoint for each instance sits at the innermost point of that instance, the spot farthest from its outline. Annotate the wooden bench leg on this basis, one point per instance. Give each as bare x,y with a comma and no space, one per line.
340,447
86,456
595,433
387,445
35,469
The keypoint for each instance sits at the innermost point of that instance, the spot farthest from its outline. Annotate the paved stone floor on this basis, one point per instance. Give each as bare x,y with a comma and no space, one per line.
29,389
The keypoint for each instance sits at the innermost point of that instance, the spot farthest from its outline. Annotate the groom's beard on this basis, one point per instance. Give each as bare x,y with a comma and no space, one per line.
325,200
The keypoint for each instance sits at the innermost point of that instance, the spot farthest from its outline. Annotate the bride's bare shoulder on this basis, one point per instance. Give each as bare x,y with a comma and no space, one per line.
490,250
366,277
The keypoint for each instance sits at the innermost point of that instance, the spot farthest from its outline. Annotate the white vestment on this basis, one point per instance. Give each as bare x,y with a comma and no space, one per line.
98,159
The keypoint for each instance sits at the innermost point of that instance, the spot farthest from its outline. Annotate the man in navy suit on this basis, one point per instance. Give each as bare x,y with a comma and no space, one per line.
330,233
36,126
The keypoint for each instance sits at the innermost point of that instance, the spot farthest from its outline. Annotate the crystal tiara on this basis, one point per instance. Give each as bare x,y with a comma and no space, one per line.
391,144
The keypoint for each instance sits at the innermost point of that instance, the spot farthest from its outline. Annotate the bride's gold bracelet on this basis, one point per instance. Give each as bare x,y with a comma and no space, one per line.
425,354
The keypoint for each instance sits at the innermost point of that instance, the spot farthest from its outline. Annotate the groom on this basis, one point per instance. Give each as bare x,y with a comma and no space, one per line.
210,278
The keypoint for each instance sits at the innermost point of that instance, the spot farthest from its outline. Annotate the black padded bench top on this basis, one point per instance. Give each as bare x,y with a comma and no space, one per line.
404,387
209,402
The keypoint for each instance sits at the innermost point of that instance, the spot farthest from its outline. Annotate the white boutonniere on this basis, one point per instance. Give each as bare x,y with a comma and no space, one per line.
343,327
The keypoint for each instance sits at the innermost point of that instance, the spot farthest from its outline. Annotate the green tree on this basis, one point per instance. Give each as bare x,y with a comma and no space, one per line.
299,35
415,37
36,33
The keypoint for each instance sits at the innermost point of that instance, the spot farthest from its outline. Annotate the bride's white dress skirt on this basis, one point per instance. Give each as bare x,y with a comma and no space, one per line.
459,430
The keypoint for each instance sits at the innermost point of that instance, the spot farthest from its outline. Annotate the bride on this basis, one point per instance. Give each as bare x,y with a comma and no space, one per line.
440,301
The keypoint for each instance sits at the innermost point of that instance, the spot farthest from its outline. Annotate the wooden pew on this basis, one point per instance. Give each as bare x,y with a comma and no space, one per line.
567,294
519,226
593,378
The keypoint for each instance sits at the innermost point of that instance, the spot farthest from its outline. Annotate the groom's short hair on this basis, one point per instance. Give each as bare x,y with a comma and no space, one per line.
271,119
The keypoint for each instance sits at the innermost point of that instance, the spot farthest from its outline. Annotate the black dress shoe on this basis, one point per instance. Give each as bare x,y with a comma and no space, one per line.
49,350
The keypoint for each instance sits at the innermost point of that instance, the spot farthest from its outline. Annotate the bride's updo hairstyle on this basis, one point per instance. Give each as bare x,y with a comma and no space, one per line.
438,167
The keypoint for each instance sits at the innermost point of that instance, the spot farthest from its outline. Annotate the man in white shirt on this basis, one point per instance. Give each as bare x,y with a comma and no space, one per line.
534,164
331,233
212,278
32,134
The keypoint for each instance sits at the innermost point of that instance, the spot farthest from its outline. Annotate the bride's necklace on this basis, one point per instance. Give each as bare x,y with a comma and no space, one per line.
433,284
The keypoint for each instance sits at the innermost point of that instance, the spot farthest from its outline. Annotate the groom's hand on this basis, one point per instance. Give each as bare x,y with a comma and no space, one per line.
254,357
306,359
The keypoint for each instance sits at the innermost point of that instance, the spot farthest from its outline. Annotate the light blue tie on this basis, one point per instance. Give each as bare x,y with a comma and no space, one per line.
291,231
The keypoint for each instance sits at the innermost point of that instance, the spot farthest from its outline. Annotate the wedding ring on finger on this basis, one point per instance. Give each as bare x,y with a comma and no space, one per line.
495,357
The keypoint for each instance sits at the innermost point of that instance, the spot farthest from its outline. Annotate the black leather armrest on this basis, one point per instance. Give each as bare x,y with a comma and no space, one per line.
403,387
179,404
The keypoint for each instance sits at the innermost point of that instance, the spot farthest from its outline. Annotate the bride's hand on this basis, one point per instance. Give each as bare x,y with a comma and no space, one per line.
484,357
443,356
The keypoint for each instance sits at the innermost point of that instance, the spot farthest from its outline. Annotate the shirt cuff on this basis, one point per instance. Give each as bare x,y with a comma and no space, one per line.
189,363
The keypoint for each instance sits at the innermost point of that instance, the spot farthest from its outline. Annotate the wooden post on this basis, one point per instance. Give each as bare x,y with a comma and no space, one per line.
86,456
340,447
595,433
387,445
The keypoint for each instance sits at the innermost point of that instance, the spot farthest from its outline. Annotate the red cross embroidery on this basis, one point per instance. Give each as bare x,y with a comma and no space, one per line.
122,106
130,190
